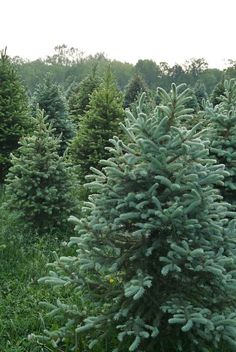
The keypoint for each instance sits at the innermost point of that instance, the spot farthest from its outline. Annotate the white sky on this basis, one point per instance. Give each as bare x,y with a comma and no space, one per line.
126,30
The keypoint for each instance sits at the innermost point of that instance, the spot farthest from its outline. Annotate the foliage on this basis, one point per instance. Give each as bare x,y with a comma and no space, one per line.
149,104
13,112
22,262
201,94
123,71
39,181
230,71
100,123
223,136
48,97
79,96
210,78
195,67
177,74
149,71
217,93
155,251
67,65
198,97
65,56
135,86
192,103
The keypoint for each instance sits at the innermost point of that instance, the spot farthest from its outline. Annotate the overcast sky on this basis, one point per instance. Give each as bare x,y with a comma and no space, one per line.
126,30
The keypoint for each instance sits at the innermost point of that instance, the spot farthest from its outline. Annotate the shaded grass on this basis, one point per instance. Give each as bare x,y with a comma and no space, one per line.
23,259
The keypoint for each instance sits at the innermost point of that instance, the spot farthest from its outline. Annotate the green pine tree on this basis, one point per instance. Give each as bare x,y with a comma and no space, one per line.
192,103
151,100
223,136
14,121
135,86
100,123
49,97
218,91
79,96
155,253
201,94
39,182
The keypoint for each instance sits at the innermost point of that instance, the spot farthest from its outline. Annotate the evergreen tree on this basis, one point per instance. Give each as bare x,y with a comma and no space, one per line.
218,91
100,123
39,181
49,97
14,121
223,136
155,254
135,86
151,100
192,103
79,96
200,94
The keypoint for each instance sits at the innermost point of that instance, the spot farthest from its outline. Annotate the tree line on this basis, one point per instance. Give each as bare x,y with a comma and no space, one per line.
68,65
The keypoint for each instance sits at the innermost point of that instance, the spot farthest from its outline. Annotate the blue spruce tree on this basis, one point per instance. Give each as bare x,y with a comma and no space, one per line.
155,250
49,97
222,118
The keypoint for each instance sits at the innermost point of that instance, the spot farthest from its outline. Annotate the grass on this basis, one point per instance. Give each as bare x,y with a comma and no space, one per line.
23,261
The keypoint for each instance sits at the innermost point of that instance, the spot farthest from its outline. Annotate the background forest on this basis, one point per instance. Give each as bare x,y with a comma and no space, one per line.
141,160
68,65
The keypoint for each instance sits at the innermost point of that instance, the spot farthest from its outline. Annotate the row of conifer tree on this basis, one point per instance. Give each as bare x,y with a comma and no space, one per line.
154,263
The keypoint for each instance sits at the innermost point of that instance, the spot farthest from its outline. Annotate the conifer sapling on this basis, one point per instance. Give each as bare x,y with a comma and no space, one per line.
39,182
